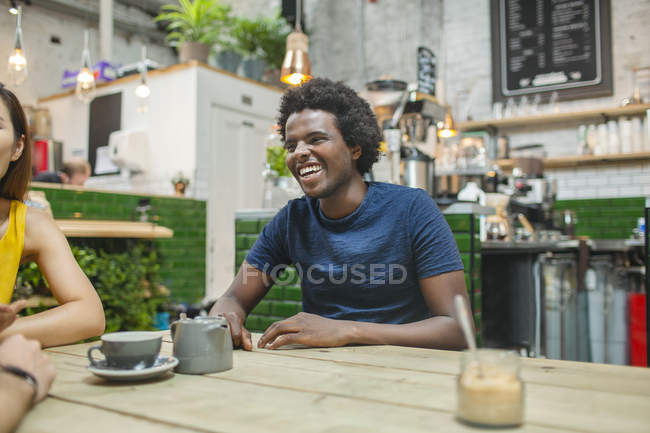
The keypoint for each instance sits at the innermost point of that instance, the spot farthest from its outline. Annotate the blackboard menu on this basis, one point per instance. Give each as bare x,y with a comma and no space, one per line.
426,71
551,45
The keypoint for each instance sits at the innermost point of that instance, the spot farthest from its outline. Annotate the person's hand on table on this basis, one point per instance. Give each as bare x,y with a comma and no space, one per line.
8,313
307,329
17,351
241,337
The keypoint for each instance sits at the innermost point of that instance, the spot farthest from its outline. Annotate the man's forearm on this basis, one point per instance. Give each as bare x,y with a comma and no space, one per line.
15,399
441,332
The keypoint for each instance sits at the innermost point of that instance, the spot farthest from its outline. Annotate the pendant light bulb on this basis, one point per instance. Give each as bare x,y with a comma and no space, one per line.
17,65
143,91
86,87
446,129
296,68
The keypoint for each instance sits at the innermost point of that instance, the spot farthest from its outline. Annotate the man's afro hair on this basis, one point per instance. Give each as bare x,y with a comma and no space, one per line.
354,117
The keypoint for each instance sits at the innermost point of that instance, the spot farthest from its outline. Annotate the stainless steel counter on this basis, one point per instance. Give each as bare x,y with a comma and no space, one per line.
595,245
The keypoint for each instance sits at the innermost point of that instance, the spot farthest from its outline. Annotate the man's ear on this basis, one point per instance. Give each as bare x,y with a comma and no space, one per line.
18,149
356,152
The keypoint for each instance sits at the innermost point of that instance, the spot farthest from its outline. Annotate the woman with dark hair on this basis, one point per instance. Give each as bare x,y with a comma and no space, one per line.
28,234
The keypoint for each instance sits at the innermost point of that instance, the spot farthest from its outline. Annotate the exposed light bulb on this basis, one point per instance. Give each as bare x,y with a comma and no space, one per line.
142,91
13,11
86,87
295,79
447,133
17,67
17,64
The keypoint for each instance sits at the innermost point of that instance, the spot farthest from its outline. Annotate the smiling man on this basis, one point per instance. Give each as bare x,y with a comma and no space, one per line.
377,262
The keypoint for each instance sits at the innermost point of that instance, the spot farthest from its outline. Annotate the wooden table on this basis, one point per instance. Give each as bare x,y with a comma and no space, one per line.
349,389
77,228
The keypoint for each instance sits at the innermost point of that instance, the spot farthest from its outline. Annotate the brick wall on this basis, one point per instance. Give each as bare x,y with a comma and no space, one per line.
182,257
611,218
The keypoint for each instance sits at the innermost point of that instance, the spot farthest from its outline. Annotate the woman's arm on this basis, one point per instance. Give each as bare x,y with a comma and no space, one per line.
439,332
79,314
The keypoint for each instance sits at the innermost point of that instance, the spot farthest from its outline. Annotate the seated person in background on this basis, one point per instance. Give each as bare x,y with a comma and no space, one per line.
28,234
26,373
378,262
73,172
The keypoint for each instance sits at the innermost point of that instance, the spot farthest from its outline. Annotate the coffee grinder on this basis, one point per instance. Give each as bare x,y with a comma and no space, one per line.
407,119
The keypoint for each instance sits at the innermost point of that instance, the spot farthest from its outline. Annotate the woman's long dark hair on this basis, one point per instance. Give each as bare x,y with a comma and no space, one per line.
15,182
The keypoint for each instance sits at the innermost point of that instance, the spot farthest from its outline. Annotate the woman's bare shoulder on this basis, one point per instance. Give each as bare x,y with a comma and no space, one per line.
39,229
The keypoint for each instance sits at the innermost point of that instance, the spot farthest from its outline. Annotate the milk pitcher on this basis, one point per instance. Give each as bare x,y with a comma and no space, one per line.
202,345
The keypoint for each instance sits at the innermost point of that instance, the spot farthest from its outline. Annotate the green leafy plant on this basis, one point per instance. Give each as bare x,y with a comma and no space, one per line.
263,37
247,34
203,21
276,158
180,178
274,42
128,285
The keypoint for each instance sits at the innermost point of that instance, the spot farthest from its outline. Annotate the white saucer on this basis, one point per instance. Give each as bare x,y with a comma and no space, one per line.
162,365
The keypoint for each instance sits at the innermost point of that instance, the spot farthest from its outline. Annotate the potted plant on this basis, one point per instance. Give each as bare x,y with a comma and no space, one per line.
273,46
194,26
247,35
180,183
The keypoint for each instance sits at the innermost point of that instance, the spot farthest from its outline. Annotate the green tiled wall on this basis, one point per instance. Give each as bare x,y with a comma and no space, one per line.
182,257
283,301
609,218
460,227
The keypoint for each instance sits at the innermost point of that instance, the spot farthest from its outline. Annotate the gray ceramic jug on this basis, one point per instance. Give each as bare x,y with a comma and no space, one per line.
202,345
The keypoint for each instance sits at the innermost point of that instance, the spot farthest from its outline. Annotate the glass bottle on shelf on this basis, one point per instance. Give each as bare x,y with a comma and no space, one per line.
613,142
582,148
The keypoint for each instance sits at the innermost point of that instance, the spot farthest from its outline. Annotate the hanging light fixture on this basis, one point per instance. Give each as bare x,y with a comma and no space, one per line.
446,129
143,91
295,67
13,8
17,65
86,88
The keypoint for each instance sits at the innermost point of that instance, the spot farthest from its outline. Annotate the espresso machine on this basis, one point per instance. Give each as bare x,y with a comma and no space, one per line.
408,121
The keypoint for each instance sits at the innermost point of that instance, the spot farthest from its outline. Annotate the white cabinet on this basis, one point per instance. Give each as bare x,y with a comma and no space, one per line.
237,158
205,122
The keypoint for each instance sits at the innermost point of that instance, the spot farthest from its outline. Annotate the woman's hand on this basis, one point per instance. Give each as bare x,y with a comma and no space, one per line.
309,330
8,313
27,354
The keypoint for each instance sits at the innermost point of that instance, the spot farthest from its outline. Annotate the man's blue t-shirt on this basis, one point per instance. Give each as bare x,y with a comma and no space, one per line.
365,266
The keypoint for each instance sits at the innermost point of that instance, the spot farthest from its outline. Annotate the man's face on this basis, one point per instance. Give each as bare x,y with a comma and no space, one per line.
317,156
78,179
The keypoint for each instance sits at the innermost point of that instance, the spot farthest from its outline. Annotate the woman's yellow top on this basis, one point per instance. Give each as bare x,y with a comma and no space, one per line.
11,250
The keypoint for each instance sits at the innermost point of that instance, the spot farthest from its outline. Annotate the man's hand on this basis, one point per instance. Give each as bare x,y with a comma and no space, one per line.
309,330
228,308
8,313
27,354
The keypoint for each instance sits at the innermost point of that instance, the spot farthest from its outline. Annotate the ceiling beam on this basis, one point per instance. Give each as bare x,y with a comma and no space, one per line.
90,11
152,7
